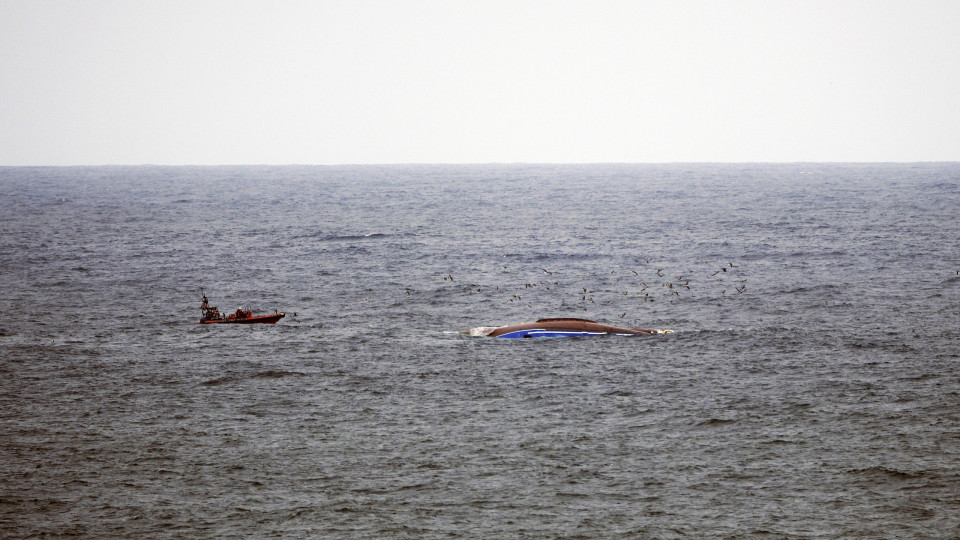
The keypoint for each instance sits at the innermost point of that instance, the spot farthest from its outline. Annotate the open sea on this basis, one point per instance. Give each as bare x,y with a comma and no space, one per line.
811,387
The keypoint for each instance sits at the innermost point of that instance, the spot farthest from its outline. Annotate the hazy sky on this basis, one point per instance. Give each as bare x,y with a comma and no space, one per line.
417,81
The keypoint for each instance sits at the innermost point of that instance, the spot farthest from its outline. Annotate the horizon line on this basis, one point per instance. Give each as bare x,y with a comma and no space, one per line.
485,163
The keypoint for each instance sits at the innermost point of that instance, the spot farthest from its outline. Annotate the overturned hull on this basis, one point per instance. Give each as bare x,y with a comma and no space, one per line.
556,328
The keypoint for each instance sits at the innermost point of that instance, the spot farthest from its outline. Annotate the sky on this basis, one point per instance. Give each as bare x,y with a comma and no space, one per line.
91,82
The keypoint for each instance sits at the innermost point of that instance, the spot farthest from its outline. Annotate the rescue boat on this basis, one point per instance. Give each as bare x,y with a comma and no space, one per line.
560,327
212,315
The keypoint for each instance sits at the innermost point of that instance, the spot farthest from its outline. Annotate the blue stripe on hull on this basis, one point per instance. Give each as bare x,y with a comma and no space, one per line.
543,333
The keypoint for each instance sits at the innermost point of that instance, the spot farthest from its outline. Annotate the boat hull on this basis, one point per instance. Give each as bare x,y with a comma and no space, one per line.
561,328
271,318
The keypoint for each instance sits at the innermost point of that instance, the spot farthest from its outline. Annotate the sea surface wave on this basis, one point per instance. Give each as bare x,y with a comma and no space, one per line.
811,388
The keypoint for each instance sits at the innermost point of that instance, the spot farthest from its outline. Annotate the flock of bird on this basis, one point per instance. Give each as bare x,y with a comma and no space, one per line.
649,284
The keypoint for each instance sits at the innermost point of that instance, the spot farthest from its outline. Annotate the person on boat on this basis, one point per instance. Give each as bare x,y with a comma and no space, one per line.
209,312
240,313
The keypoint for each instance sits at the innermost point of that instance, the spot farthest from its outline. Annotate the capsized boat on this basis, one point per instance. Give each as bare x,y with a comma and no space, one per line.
212,315
561,327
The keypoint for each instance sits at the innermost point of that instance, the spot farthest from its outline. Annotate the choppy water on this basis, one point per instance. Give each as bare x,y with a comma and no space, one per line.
811,389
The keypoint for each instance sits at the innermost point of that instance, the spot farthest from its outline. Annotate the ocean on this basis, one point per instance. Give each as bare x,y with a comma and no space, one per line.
810,389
